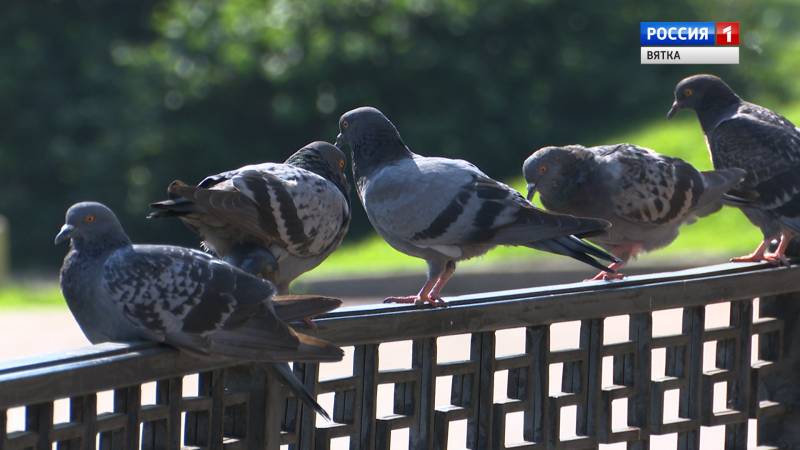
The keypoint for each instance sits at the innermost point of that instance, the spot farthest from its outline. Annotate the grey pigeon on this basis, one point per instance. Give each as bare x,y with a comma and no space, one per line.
446,210
645,196
765,144
276,220
119,291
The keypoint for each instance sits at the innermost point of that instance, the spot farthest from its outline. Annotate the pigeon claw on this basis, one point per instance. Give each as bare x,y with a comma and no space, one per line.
408,299
606,276
777,259
416,300
749,258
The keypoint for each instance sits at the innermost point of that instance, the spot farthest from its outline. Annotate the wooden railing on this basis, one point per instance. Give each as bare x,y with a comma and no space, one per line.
242,407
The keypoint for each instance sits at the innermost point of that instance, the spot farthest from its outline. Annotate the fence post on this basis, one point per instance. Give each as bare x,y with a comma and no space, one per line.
781,383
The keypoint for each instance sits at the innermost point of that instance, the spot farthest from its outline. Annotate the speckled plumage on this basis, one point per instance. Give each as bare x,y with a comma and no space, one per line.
186,298
447,210
298,211
763,143
646,196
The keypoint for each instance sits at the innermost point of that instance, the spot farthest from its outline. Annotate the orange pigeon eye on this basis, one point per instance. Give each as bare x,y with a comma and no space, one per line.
345,124
89,218
542,170
688,92
341,164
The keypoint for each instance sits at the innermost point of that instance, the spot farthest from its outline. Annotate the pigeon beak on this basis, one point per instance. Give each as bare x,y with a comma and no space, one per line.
339,141
531,191
675,108
64,234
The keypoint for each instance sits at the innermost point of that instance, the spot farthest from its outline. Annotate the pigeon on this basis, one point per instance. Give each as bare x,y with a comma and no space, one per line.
646,196
274,220
765,144
446,210
186,298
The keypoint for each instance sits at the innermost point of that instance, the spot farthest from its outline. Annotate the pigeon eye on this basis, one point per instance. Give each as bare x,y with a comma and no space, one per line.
89,219
345,124
341,164
542,170
688,92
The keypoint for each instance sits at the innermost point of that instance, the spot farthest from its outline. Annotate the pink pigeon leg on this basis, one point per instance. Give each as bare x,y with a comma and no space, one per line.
623,252
757,255
421,297
435,295
607,276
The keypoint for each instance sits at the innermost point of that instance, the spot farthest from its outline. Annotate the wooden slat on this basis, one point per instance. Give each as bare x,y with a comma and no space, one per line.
423,360
525,307
591,339
691,397
396,376
640,331
367,356
537,427
93,369
310,374
39,419
482,425
3,428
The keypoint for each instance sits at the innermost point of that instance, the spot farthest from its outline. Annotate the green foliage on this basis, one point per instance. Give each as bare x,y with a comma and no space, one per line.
111,101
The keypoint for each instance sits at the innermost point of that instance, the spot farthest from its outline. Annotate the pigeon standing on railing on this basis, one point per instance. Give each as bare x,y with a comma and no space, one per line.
119,291
645,196
276,220
765,144
446,210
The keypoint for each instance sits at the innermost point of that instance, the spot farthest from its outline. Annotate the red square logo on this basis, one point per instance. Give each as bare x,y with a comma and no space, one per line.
727,33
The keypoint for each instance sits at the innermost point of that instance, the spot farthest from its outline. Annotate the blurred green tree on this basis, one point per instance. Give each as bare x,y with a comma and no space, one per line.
113,100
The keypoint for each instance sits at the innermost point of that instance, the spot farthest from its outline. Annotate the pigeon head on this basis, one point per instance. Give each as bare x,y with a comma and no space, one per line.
702,93
92,225
373,140
555,173
325,160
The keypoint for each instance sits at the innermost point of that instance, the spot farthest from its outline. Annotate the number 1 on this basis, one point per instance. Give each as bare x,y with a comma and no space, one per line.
727,30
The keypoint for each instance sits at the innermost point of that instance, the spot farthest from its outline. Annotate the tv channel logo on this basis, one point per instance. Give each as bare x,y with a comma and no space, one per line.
689,42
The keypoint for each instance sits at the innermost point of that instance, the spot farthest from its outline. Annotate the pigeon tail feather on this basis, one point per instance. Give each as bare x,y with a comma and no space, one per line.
297,307
300,390
555,225
178,204
577,249
171,208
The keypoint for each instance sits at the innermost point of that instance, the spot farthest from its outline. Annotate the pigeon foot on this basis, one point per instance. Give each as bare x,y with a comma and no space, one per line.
753,257
778,259
606,276
416,299
756,256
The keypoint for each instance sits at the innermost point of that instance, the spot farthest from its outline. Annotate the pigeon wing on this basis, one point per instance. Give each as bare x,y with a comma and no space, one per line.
184,297
651,189
303,210
449,202
770,152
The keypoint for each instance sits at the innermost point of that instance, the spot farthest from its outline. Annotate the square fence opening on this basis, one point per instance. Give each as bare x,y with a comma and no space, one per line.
453,348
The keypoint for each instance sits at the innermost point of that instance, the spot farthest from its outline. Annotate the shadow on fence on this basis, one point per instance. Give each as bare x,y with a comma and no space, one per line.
240,407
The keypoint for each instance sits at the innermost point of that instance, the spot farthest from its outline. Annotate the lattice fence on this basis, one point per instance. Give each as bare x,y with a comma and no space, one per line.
243,407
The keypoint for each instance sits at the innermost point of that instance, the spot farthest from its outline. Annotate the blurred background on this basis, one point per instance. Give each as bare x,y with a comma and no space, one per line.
111,101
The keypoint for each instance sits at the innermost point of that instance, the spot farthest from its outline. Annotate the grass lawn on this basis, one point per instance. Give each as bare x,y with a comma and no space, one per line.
25,295
724,234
